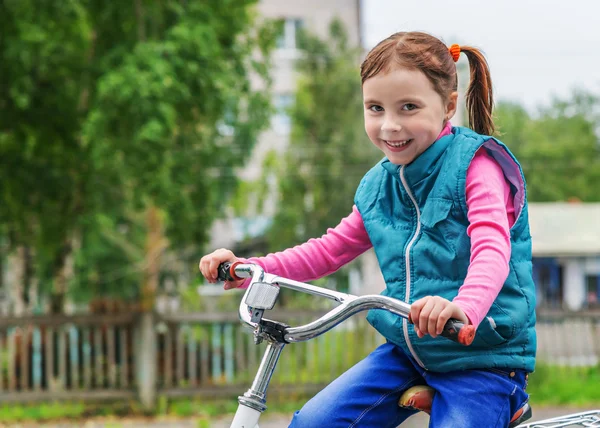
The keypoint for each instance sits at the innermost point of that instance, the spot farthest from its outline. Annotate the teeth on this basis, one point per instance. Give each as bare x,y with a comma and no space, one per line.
398,143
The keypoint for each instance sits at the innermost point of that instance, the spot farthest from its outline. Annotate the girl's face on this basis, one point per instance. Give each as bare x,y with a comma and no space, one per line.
404,114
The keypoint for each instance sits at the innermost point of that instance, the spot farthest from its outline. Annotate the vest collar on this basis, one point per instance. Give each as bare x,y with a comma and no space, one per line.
424,164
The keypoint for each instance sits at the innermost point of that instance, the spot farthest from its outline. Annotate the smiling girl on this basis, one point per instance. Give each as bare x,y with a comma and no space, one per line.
446,213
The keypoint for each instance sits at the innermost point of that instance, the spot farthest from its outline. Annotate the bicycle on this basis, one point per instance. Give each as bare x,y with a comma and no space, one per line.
261,295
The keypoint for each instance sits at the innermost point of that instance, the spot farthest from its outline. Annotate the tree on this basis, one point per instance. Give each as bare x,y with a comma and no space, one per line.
559,150
329,151
121,123
45,48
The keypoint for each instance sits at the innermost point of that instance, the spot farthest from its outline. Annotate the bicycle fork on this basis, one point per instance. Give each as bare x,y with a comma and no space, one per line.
253,402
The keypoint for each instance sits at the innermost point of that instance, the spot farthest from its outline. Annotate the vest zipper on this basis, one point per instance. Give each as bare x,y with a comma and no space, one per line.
407,260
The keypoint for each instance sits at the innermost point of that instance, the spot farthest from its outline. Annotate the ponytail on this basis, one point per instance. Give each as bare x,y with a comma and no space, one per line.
479,97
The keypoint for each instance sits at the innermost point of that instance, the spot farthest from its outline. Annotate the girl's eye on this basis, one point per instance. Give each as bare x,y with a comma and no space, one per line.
376,108
409,107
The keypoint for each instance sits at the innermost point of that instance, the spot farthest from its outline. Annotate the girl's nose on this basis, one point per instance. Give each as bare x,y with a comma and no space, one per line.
390,125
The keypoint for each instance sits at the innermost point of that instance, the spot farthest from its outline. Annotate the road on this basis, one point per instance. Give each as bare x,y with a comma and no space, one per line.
417,421
269,421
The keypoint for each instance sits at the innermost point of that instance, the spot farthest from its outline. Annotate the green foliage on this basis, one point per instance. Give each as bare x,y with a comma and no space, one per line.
42,411
559,150
43,48
111,107
110,263
329,152
573,386
118,414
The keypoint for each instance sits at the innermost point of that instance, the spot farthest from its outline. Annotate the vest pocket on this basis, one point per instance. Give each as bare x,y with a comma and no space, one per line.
434,211
487,335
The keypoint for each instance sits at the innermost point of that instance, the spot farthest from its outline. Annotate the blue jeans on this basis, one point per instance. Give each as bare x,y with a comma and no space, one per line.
367,395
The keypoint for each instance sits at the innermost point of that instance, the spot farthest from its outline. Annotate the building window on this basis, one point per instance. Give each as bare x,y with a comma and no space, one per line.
288,38
593,291
282,122
547,276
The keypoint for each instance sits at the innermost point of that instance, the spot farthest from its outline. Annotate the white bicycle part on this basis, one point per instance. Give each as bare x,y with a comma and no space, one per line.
584,419
245,417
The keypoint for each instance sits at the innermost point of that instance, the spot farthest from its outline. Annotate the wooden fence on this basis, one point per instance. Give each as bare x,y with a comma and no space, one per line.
123,357
63,357
568,339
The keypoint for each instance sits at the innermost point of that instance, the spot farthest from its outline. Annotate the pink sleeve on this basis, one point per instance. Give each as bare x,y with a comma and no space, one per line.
319,257
491,214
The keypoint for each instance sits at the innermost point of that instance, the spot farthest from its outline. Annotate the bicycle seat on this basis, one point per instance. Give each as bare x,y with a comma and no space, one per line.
420,397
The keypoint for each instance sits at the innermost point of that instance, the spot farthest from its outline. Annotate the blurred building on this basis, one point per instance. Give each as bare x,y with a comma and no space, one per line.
314,16
566,254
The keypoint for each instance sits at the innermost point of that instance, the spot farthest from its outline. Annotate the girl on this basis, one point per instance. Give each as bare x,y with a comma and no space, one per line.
446,214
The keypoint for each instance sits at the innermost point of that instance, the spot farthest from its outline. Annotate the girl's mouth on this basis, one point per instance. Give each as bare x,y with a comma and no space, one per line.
398,145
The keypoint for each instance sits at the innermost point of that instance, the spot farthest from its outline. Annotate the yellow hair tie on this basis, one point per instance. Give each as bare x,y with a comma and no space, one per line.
455,52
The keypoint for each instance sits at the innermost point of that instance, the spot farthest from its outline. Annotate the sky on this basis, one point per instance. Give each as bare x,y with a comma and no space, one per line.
536,49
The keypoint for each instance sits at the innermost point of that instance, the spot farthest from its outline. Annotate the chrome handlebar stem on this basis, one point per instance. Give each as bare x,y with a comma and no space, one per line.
348,304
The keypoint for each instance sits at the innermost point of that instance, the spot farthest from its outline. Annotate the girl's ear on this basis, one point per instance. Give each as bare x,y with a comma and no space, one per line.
451,105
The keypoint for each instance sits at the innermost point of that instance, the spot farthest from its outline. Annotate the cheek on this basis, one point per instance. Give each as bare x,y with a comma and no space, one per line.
430,126
371,127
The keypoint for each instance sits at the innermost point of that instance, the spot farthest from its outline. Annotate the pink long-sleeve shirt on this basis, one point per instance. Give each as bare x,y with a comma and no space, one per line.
490,213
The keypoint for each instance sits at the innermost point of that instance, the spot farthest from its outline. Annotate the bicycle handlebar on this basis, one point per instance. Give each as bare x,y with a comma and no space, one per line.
349,305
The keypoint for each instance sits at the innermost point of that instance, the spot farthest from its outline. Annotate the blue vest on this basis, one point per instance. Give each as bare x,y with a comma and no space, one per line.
416,218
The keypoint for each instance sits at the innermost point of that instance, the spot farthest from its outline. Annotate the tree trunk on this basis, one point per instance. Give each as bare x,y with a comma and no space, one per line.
141,20
145,361
28,276
63,272
16,277
146,345
3,254
155,244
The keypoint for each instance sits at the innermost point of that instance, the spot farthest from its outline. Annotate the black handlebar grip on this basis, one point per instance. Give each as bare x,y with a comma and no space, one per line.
459,332
226,272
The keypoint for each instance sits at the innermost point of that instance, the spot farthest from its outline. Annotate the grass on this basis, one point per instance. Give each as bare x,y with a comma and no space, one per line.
548,386
565,386
42,411
203,411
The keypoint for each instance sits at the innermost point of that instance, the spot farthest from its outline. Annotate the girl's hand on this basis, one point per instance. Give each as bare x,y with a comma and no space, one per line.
209,265
430,314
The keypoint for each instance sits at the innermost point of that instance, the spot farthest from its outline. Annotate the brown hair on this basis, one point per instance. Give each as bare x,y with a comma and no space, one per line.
428,54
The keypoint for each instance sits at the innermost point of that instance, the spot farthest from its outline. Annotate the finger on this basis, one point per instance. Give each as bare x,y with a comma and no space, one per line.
211,272
424,316
432,322
204,261
206,269
415,310
443,318
217,258
233,284
419,333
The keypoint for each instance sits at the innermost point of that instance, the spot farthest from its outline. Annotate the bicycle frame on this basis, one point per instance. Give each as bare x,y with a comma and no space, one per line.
584,419
253,304
253,403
